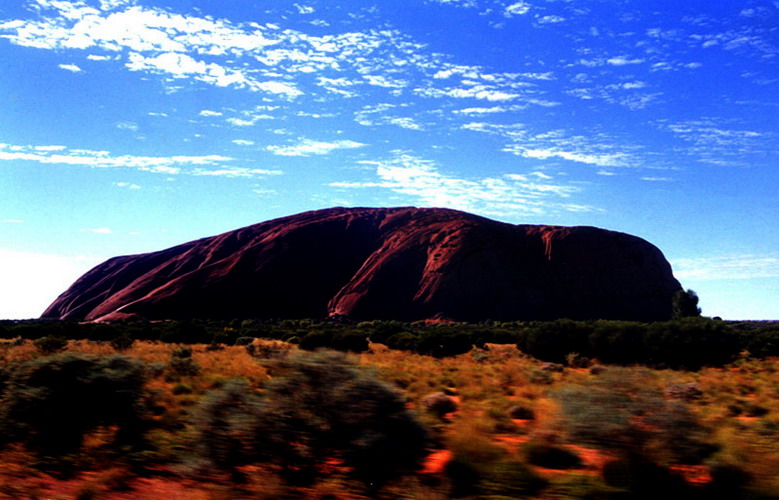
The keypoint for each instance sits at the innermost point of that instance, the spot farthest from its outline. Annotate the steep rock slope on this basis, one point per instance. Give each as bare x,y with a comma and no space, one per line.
383,263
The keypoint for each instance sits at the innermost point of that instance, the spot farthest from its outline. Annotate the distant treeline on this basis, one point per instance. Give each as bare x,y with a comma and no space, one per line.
684,343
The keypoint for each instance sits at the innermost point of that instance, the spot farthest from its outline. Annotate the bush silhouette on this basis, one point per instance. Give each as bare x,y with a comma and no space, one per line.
685,305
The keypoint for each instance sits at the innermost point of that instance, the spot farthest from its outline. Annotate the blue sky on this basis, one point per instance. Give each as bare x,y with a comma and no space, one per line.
129,126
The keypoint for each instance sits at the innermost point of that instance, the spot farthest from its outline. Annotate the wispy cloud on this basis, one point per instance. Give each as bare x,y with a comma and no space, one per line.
595,150
380,114
104,159
236,172
736,267
505,195
308,147
718,142
208,165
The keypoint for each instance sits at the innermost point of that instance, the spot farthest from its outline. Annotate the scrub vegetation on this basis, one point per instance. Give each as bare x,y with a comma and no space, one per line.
307,409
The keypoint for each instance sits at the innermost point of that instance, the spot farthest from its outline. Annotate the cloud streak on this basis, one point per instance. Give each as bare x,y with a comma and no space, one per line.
505,195
207,165
728,267
308,147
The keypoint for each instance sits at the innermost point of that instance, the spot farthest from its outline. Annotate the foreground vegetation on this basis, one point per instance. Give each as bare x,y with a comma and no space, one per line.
452,411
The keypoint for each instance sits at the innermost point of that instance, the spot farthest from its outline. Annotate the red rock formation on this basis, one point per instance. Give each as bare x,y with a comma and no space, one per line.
383,263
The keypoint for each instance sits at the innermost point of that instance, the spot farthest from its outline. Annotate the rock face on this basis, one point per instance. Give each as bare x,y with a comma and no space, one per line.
383,263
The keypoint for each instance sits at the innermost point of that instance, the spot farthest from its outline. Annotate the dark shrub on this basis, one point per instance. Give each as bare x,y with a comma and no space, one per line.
185,332
316,339
685,305
50,403
441,343
323,406
318,407
50,344
122,343
554,340
404,341
383,330
691,343
349,341
619,342
521,413
762,343
182,364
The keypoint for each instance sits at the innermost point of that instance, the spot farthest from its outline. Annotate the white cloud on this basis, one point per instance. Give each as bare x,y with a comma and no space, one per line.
551,20
557,144
309,147
623,61
236,172
70,67
127,126
601,160
379,114
508,194
456,3
32,280
127,185
747,266
242,142
208,112
516,9
104,159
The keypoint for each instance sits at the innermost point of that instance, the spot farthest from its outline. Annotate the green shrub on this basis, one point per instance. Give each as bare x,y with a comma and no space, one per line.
383,330
625,412
228,423
50,344
349,341
316,339
403,341
181,363
318,407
